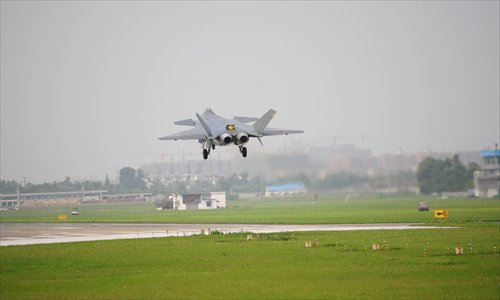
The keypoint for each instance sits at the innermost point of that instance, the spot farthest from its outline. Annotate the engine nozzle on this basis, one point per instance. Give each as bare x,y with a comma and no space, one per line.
241,137
225,138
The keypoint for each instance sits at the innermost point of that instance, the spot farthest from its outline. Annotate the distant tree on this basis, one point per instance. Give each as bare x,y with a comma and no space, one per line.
77,186
225,183
201,186
28,188
66,185
473,167
448,175
158,188
92,185
131,181
140,180
338,181
107,184
8,187
127,177
178,187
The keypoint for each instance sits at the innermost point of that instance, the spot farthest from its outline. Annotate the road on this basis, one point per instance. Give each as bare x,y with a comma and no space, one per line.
46,233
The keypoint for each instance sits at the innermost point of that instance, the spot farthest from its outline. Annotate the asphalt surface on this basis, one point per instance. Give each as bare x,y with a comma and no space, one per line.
47,233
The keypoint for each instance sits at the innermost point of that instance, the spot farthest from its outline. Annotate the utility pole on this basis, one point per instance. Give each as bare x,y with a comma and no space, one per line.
18,197
83,195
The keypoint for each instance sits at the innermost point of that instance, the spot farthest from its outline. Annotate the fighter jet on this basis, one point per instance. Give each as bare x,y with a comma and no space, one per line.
213,130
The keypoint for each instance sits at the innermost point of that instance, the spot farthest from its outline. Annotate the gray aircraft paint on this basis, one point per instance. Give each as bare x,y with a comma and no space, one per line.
211,129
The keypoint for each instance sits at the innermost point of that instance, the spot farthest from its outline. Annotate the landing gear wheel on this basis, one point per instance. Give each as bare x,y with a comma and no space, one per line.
244,151
205,153
213,147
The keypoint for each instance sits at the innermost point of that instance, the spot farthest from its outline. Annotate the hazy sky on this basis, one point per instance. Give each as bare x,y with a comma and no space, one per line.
87,87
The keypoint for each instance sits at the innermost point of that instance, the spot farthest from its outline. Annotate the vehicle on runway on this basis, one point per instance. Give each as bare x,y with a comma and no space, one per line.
212,130
423,206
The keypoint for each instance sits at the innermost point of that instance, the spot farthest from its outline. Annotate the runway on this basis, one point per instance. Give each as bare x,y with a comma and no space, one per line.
46,233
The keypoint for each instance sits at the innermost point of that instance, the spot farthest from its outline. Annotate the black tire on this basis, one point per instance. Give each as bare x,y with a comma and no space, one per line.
244,151
205,153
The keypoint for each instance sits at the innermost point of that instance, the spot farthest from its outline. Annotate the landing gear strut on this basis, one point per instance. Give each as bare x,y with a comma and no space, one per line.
206,148
243,151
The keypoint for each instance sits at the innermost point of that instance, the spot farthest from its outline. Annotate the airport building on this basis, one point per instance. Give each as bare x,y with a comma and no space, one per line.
67,198
213,200
487,181
285,189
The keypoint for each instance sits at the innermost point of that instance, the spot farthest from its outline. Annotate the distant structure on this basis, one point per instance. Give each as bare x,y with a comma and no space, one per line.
285,189
487,181
213,200
67,198
188,170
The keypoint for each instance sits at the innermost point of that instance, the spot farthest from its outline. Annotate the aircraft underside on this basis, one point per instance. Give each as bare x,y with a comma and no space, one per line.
209,145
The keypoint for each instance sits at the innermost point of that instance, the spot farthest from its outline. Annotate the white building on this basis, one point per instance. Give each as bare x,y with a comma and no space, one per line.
487,181
220,199
213,200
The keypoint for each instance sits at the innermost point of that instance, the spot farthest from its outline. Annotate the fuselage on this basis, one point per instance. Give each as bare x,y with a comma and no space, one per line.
226,132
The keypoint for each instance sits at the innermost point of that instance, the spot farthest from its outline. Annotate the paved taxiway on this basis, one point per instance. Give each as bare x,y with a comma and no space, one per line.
46,233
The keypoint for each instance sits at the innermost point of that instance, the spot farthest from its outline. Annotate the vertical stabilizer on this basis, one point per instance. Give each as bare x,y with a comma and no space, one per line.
262,123
205,125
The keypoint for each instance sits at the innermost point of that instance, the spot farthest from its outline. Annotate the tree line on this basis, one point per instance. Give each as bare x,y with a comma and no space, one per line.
136,181
445,175
432,176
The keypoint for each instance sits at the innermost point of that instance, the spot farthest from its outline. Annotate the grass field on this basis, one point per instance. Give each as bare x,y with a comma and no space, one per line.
343,266
271,266
327,210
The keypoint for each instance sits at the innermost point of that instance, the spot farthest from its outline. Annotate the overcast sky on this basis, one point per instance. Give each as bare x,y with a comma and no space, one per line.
87,87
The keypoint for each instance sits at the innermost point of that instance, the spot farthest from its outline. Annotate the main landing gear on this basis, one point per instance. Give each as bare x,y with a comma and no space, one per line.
206,148
243,151
206,151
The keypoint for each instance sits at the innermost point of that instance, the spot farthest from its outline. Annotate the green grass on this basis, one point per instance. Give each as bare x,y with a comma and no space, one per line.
301,210
343,266
276,266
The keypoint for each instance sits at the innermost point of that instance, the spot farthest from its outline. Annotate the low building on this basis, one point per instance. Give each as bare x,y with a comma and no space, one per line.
112,198
487,181
68,198
285,189
219,198
50,199
213,200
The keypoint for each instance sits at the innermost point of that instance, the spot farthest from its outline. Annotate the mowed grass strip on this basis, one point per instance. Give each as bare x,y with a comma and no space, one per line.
417,264
300,210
